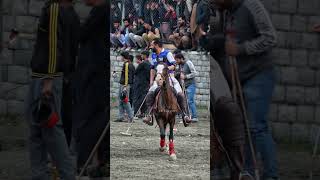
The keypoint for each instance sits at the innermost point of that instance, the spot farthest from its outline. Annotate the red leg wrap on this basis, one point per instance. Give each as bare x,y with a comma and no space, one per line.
171,147
162,142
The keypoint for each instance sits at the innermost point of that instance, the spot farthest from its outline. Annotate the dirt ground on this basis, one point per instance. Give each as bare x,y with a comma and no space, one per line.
137,157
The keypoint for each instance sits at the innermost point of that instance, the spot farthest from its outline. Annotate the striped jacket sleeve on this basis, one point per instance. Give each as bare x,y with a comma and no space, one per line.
266,33
53,33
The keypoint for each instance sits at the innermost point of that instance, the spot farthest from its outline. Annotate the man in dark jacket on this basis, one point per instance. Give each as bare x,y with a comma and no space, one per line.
136,37
126,31
181,35
126,80
54,53
91,111
141,83
249,37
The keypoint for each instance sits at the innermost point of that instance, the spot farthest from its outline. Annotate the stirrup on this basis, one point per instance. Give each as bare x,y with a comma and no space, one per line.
147,121
186,120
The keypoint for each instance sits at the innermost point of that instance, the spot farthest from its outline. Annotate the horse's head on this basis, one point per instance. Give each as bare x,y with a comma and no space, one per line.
168,99
163,76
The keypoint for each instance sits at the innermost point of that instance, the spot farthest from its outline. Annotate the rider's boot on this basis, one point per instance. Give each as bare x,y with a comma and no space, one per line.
149,102
183,105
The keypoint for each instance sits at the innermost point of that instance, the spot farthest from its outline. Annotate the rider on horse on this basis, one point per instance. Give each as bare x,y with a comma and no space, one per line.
163,56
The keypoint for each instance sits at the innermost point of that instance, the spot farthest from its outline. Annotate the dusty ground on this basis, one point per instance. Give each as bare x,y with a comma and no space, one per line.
139,156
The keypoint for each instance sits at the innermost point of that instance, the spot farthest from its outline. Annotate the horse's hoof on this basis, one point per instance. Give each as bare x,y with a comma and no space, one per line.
173,157
162,149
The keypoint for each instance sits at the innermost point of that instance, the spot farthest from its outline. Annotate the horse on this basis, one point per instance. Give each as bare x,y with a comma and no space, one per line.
165,110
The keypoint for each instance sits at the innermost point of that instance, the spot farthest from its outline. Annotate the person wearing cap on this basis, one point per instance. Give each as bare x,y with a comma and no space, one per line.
141,83
126,80
187,74
150,34
161,55
51,61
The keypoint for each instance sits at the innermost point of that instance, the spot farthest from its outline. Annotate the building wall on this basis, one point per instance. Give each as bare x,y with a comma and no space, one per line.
295,110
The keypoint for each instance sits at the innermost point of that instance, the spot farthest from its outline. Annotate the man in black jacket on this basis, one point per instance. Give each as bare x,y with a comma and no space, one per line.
126,80
136,37
53,56
91,105
141,82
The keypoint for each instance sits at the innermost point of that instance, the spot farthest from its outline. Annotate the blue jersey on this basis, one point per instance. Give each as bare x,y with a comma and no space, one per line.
165,56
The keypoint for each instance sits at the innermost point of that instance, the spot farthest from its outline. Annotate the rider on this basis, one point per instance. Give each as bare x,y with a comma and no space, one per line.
161,55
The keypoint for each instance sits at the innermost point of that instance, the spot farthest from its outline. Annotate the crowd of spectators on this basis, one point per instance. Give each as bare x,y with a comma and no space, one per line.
137,22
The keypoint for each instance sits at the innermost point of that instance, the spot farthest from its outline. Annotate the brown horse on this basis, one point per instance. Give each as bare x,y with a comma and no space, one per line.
166,107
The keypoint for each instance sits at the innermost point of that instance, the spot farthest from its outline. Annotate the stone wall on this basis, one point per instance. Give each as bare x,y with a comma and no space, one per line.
295,110
199,59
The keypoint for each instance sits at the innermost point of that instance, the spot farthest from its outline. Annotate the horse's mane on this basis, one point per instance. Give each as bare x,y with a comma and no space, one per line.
167,99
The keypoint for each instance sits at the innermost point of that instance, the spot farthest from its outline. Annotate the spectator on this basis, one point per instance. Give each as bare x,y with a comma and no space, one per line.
136,37
127,29
152,13
198,18
129,11
150,34
141,83
180,8
126,80
181,37
116,37
188,74
115,11
171,15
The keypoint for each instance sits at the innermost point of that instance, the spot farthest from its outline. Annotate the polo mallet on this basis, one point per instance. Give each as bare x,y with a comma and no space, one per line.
186,95
314,154
94,149
127,132
236,84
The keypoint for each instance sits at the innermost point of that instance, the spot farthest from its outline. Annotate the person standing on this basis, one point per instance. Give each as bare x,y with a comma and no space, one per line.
54,52
91,102
250,41
141,83
187,75
126,80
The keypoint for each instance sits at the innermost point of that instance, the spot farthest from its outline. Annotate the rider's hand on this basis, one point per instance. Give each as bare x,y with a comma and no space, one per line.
182,76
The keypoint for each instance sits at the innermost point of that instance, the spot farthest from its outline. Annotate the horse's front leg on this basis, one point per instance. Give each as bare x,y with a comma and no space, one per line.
162,135
172,153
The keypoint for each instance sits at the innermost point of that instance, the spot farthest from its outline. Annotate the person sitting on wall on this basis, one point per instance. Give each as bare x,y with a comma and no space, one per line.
151,33
181,35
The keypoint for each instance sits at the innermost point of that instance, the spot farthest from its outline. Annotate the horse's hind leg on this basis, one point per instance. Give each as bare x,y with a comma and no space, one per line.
162,136
172,153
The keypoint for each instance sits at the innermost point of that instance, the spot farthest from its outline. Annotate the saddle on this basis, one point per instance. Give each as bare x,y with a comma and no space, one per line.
166,105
